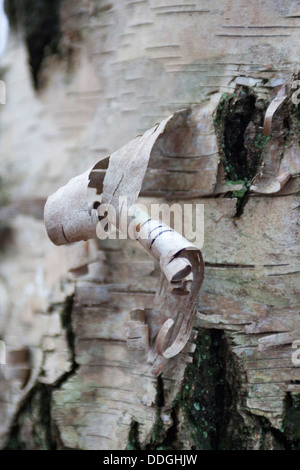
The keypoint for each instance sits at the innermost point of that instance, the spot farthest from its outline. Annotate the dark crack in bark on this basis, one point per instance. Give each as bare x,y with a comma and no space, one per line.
33,427
39,22
238,123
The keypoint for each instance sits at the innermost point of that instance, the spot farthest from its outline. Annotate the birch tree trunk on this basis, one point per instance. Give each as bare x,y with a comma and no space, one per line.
83,79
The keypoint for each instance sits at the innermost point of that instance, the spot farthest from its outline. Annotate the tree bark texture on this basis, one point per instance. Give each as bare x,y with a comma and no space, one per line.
84,78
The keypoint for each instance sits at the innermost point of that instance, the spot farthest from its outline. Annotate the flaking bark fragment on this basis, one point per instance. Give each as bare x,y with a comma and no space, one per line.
272,108
70,217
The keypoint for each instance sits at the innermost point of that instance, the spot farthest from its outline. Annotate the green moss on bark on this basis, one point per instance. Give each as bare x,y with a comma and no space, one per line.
238,122
133,437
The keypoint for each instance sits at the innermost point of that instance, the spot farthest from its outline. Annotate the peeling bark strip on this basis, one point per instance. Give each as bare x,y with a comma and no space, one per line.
69,218
174,307
272,108
281,154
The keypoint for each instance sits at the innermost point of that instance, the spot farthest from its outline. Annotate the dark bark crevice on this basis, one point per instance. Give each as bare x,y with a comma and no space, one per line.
238,122
213,401
39,22
33,427
133,437
291,422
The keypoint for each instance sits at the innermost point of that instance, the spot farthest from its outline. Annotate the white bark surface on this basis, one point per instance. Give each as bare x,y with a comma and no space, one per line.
132,65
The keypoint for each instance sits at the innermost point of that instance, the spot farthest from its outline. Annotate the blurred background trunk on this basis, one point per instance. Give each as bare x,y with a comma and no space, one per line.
82,79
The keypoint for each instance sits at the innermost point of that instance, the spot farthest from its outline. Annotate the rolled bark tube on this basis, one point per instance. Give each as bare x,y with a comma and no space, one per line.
183,268
164,244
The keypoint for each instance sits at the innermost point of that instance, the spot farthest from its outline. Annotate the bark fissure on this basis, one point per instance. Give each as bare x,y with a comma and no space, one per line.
33,426
213,400
238,122
39,21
